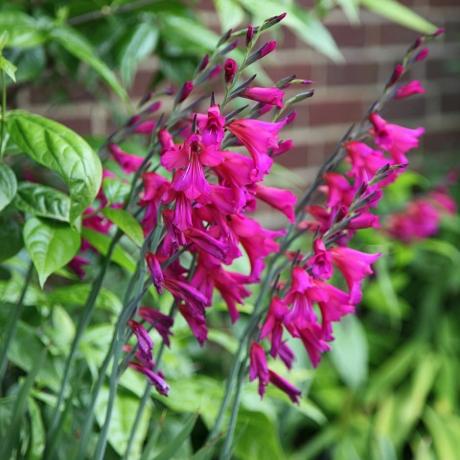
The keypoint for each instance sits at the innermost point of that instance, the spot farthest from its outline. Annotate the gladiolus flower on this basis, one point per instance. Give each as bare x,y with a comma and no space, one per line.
285,386
272,96
414,87
129,163
258,368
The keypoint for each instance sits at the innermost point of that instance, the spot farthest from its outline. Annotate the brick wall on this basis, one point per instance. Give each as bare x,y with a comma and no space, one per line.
343,91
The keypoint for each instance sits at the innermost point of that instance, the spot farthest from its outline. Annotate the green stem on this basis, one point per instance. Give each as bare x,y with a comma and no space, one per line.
2,134
13,323
228,444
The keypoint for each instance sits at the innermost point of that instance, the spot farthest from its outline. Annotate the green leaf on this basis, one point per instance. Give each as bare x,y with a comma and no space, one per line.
22,30
8,67
101,243
350,8
79,47
122,419
445,441
349,351
256,436
51,245
61,150
169,450
140,42
10,236
8,186
30,63
42,201
37,443
115,190
230,13
126,222
396,12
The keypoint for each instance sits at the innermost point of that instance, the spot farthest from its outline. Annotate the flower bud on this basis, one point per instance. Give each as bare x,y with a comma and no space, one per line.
184,92
265,49
204,62
397,72
270,22
224,37
155,271
422,54
249,34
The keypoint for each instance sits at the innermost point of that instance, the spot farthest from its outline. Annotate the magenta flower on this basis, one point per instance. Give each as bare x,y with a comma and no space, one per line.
320,264
271,96
258,368
258,137
185,91
396,139
146,127
144,340
77,265
283,200
314,342
355,266
196,319
211,126
364,160
206,243
414,87
230,69
273,325
156,272
161,322
155,377
285,386
128,163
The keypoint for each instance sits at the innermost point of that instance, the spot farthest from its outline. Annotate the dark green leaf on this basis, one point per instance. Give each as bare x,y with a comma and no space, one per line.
78,46
10,236
8,186
61,150
140,42
51,245
170,449
8,67
42,201
126,222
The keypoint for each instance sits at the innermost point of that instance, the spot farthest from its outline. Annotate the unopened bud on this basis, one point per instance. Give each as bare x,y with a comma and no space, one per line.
204,62
397,72
422,54
285,82
265,49
224,37
230,47
230,69
299,97
270,22
439,32
249,34
243,86
154,106
185,91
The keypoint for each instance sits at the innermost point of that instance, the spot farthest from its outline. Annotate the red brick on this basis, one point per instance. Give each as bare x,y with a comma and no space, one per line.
439,68
349,35
80,125
141,83
301,71
295,158
335,112
413,107
392,33
450,103
351,74
59,92
441,142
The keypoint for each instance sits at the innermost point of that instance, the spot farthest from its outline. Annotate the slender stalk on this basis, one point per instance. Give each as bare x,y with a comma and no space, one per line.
2,128
13,323
228,444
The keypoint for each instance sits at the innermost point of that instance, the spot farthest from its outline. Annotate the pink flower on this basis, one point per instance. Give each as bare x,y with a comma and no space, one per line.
211,126
414,87
320,264
314,342
258,366
339,190
397,73
128,163
161,322
396,139
258,137
146,127
272,96
156,272
422,55
274,324
257,241
355,266
185,91
155,188
285,386
77,264
196,319
206,243
365,161
278,198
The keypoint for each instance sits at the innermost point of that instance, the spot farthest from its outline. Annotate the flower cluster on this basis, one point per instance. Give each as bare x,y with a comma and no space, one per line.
422,216
196,204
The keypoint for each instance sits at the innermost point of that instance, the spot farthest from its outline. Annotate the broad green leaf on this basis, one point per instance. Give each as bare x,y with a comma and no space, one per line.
170,450
78,46
256,436
8,67
22,30
8,185
77,294
122,419
10,236
396,12
51,245
43,201
115,190
101,243
61,150
126,222
230,13
349,351
61,329
140,42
